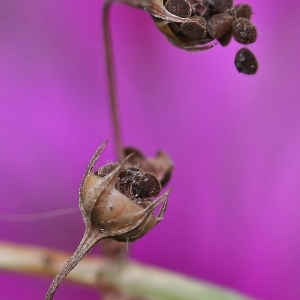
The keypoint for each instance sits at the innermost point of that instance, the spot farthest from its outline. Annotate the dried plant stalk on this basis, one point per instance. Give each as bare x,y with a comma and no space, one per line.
97,272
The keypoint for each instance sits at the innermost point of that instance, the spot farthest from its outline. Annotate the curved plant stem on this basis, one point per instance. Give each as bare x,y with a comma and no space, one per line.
89,240
110,68
115,116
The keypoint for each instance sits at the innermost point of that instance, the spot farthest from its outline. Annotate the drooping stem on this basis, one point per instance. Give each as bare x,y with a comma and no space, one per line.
114,108
89,240
110,67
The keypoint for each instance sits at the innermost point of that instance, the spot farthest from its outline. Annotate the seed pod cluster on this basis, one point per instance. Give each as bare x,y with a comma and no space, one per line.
191,24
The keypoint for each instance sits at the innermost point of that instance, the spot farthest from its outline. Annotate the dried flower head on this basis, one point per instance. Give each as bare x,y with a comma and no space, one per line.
115,202
192,24
214,17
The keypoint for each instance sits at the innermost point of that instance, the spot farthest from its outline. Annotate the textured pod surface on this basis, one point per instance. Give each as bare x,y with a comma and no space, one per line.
222,5
219,24
243,11
245,62
244,32
179,8
195,29
146,185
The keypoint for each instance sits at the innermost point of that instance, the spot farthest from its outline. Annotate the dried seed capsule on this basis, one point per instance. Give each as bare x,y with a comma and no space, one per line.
194,29
219,24
179,8
176,37
244,32
243,11
107,213
246,62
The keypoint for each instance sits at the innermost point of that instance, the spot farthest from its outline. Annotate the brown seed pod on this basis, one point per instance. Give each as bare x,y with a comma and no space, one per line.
163,17
242,11
111,212
219,24
245,62
170,17
107,213
177,38
244,32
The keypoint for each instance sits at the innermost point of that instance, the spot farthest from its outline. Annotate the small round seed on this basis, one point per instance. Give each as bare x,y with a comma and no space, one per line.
243,11
244,32
245,62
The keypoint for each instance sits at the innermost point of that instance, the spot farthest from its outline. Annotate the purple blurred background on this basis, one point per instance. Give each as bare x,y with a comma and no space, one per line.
234,214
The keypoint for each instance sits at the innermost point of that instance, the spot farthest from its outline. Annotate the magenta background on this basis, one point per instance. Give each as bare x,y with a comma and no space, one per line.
233,217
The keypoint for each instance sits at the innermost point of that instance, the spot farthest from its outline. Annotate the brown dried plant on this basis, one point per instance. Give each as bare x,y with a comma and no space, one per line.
109,213
193,24
116,201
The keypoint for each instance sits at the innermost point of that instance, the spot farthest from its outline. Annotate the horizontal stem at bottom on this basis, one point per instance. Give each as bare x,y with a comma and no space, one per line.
98,272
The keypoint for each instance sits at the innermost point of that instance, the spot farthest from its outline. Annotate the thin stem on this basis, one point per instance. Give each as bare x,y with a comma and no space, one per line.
115,116
89,240
110,68
37,216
